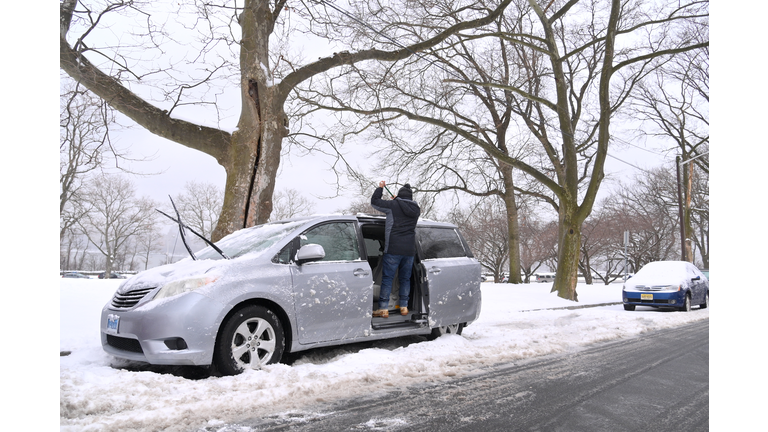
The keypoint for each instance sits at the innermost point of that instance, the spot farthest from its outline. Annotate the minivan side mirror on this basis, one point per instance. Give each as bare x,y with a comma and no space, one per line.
309,253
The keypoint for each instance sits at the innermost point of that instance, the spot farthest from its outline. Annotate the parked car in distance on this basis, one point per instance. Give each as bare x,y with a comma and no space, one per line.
74,275
112,275
667,284
289,286
545,277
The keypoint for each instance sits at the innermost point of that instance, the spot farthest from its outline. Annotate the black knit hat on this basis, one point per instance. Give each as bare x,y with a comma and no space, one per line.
405,192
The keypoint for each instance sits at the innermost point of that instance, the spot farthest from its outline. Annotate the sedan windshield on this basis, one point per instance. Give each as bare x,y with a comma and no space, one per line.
250,240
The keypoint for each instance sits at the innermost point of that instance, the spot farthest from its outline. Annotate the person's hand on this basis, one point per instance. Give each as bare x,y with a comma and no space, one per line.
382,184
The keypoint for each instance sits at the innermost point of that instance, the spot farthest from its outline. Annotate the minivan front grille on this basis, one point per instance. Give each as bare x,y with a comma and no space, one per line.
129,299
124,344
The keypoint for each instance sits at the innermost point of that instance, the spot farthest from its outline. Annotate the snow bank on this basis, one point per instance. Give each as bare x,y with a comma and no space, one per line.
98,392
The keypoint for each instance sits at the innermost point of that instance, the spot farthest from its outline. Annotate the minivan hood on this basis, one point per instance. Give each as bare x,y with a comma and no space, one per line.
184,269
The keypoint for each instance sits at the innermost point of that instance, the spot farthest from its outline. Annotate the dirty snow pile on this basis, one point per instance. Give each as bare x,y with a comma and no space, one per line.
99,393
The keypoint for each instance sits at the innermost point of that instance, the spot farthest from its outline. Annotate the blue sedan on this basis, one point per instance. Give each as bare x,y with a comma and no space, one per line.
667,284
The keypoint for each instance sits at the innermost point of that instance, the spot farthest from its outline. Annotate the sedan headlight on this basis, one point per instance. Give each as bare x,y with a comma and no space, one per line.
182,286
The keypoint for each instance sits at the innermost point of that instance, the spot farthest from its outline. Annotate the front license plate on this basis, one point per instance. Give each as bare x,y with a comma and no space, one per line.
112,323
646,296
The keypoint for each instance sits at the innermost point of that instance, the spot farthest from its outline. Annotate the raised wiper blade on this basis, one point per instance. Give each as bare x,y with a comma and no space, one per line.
181,230
181,224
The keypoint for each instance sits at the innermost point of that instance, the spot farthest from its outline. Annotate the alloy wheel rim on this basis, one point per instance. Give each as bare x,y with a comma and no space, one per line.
253,343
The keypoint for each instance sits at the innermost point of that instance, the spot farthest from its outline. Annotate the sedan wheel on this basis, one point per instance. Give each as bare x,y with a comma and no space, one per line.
687,305
629,307
449,329
706,301
251,337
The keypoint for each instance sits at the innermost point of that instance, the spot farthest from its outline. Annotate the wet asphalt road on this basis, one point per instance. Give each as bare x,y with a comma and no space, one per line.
658,381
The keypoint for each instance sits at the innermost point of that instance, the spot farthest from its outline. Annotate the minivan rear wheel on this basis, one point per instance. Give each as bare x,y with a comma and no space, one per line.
250,338
449,329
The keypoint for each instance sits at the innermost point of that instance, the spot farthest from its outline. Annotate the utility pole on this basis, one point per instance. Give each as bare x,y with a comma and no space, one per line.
678,164
680,209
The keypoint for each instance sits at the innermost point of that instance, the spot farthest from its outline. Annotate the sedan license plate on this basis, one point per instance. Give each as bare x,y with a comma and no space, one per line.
646,296
112,323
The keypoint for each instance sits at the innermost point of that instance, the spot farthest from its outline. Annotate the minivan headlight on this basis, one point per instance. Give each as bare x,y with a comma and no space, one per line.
182,286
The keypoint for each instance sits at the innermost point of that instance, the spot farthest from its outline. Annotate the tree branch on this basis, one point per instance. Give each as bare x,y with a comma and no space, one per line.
342,58
211,141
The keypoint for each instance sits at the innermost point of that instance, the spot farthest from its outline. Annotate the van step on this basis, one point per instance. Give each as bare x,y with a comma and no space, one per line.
395,324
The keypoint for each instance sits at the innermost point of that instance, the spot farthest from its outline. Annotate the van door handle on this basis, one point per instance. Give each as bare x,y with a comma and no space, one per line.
435,270
360,272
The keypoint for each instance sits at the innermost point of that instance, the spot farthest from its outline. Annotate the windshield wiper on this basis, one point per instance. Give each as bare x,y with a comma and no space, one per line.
183,237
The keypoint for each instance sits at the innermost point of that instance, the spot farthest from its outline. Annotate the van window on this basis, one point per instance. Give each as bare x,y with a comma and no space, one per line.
339,240
440,243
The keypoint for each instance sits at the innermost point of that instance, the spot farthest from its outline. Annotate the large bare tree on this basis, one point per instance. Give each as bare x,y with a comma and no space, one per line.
563,68
232,37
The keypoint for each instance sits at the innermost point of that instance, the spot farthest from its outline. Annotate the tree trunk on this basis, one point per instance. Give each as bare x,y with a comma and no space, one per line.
254,155
587,270
569,247
513,225
688,181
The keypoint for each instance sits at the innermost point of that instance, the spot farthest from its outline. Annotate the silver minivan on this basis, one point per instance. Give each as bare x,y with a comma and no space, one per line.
288,286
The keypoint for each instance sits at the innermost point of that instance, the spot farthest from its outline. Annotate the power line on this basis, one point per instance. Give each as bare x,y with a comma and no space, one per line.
632,165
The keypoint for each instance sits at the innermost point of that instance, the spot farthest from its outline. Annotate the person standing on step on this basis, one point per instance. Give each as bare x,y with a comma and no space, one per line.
399,244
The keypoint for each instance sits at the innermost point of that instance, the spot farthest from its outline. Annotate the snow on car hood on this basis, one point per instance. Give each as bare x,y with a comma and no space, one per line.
661,273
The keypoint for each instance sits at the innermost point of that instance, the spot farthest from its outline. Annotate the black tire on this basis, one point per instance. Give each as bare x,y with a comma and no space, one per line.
449,329
629,307
250,338
706,301
687,305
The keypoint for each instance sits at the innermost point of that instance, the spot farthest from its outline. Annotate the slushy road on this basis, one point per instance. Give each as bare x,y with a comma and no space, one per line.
657,381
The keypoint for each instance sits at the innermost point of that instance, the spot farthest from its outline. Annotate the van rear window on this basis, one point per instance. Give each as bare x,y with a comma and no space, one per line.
440,243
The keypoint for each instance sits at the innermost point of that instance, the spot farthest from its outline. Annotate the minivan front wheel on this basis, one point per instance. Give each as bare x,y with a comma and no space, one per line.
250,338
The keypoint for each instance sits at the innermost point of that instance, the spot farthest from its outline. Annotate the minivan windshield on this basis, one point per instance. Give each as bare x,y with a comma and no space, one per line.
250,240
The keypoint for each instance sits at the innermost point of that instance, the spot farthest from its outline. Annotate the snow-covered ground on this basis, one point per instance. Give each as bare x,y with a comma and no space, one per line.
514,324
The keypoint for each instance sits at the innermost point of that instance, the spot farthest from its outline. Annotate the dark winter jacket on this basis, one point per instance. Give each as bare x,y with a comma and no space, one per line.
400,227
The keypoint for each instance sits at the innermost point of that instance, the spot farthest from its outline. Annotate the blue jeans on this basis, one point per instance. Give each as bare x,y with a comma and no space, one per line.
392,263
